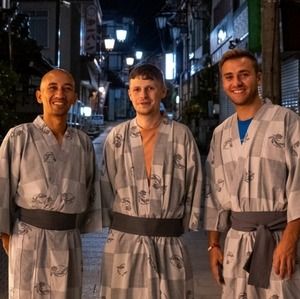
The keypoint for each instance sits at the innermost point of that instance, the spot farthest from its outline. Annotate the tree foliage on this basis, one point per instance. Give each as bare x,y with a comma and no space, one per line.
8,82
20,58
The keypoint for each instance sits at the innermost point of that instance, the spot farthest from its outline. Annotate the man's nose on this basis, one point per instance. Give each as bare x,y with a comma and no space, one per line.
60,92
144,92
237,80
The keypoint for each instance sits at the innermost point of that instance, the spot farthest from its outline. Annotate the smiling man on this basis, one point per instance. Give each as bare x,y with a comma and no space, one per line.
49,193
253,190
151,188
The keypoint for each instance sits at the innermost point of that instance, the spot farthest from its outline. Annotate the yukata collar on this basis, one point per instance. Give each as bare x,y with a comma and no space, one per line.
40,124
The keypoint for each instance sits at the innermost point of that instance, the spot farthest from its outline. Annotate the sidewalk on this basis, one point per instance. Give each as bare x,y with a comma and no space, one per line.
205,287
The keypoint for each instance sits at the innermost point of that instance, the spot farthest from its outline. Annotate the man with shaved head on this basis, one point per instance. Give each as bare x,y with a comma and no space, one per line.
48,195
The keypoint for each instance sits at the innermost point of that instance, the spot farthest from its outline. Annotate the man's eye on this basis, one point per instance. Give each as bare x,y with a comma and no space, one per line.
244,75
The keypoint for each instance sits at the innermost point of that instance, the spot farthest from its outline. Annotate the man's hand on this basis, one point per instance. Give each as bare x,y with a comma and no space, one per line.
284,256
5,242
216,264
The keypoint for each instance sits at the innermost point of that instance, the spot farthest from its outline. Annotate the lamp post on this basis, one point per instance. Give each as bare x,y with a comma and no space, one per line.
109,44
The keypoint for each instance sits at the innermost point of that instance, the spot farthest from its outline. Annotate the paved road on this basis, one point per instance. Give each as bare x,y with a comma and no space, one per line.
205,287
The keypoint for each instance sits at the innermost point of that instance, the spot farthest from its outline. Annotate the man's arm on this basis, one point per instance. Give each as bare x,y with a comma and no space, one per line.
215,256
5,242
107,179
284,256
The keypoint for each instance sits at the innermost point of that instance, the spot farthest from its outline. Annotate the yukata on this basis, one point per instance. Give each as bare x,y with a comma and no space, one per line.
262,174
140,266
37,173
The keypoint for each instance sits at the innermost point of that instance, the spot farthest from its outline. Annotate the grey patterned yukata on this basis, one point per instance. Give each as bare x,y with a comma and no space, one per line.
143,267
38,173
262,174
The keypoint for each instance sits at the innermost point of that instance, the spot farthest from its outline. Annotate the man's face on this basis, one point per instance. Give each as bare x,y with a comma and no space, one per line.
146,95
57,93
240,81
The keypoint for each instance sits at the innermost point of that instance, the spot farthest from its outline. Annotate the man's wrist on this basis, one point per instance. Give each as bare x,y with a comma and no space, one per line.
212,246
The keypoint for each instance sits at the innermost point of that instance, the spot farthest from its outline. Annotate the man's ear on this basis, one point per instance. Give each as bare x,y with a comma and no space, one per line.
259,78
38,96
75,98
164,92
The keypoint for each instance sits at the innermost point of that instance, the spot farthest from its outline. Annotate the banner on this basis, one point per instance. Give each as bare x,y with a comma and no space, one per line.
91,30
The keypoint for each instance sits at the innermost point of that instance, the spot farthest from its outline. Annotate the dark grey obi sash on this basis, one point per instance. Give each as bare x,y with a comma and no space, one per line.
50,220
155,227
259,264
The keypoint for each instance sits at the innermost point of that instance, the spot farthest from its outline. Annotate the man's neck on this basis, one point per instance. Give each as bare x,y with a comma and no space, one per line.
57,125
245,112
148,122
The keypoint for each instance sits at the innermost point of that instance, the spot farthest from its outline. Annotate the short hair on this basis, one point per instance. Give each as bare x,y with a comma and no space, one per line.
147,71
238,53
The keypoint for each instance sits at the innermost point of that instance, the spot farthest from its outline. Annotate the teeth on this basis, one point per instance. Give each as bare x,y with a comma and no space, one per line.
237,91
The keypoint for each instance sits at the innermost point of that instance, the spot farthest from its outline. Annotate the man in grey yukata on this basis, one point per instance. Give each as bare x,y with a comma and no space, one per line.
49,193
253,189
151,187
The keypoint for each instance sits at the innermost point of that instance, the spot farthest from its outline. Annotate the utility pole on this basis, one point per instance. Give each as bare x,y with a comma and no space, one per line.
57,34
271,67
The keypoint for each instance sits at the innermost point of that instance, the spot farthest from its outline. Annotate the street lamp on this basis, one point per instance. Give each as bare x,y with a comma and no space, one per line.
175,32
121,35
109,43
161,21
129,61
138,55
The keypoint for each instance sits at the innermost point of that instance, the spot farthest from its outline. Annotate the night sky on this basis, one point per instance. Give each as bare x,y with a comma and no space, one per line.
143,12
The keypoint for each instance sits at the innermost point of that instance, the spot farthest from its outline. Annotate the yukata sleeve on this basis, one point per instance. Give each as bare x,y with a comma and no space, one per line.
9,178
92,220
216,218
107,177
193,185
293,165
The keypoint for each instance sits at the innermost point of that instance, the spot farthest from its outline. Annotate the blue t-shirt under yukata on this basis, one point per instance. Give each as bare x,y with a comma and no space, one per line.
243,127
